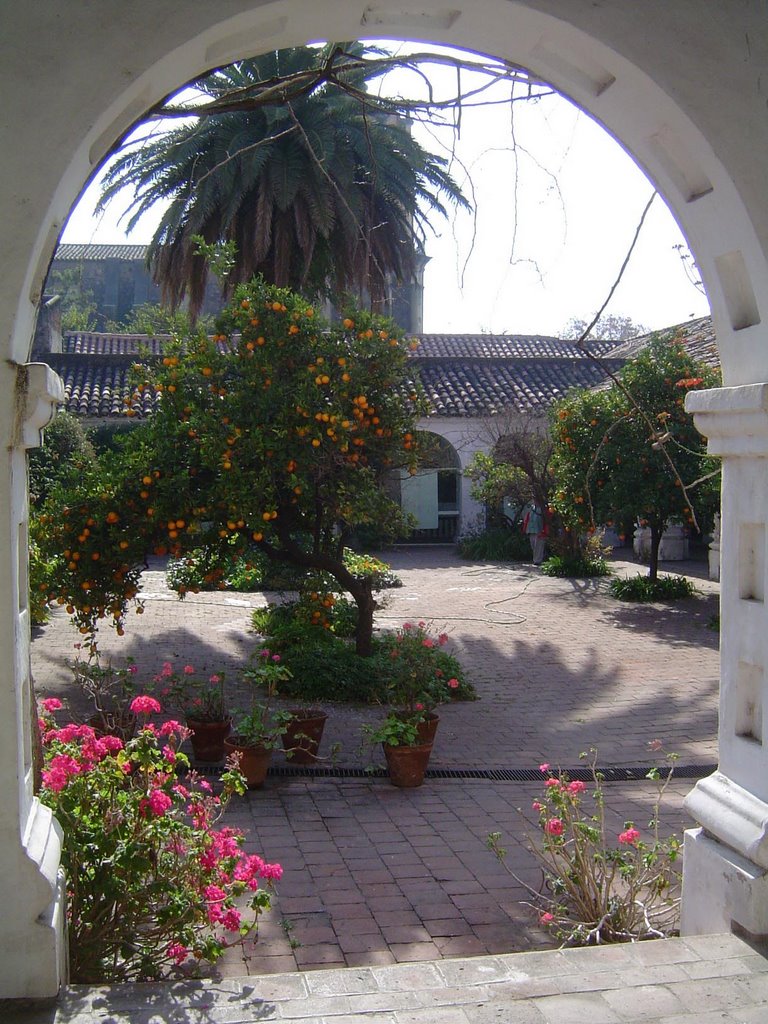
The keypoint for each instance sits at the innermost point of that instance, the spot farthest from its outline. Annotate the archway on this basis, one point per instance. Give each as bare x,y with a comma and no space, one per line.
692,116
434,495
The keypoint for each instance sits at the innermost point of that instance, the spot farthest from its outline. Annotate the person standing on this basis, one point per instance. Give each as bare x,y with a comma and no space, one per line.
535,529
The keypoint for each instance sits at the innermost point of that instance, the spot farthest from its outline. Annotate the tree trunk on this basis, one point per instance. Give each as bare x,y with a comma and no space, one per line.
360,589
363,597
653,567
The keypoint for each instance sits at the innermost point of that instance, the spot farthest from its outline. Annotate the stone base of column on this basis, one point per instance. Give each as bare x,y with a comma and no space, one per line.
33,950
721,890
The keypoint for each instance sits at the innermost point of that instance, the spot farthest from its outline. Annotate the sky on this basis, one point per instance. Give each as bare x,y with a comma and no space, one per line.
555,214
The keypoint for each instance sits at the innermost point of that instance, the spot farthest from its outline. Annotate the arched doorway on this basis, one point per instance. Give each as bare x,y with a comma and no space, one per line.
693,117
433,495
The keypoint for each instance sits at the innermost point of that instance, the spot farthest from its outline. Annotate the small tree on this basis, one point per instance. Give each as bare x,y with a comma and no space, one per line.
610,327
277,432
623,458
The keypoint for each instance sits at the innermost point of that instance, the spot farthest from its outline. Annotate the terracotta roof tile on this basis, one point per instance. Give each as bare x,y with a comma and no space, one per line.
84,251
464,375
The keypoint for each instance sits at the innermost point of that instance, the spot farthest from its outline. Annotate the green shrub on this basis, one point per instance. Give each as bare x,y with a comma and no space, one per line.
575,566
314,615
325,666
643,589
328,668
220,569
66,448
382,576
41,570
497,544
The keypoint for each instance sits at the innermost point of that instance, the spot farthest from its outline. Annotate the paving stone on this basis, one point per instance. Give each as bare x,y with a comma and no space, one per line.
406,952
576,1009
647,1002
359,853
506,1013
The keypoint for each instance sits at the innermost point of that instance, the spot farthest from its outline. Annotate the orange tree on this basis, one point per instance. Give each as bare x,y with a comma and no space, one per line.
612,455
276,432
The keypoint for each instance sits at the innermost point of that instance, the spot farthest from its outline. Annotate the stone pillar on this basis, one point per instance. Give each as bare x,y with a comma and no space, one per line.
32,925
725,864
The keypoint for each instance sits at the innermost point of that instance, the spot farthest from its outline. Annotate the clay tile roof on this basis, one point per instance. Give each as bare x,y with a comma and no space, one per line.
465,375
94,344
482,374
101,252
698,337
499,346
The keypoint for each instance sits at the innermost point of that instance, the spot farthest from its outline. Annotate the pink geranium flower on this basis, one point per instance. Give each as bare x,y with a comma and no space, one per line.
145,706
51,704
554,827
577,786
629,837
544,767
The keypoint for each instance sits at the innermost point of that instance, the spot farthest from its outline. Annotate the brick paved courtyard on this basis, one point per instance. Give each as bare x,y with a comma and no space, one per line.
376,875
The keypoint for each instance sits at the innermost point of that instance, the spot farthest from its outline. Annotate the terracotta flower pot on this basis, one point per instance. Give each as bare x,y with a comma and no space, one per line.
428,728
208,739
301,739
254,761
407,765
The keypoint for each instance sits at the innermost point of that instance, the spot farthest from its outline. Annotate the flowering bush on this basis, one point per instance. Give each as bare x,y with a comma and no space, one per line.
267,671
198,698
601,887
152,883
421,674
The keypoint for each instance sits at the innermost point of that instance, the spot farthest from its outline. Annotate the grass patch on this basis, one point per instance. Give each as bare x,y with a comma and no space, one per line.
644,589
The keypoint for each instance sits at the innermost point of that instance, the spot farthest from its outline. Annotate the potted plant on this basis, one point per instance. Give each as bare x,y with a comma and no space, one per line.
421,676
406,754
256,734
303,725
111,690
201,701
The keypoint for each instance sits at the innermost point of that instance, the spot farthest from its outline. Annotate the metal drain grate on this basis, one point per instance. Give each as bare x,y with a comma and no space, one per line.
609,773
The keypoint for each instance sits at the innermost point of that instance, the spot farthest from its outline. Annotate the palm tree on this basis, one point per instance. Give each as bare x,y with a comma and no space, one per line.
321,187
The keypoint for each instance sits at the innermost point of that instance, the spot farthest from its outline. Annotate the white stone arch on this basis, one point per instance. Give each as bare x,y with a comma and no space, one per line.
679,85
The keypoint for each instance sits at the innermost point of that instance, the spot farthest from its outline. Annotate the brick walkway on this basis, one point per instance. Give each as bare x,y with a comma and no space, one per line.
376,875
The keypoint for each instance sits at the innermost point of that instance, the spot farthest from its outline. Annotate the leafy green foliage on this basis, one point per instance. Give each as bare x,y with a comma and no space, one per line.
66,450
277,431
78,309
575,566
646,589
223,568
324,666
151,319
601,884
327,190
42,573
497,544
611,465
152,882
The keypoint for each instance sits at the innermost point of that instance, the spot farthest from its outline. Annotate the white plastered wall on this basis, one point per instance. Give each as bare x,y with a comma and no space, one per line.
681,84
